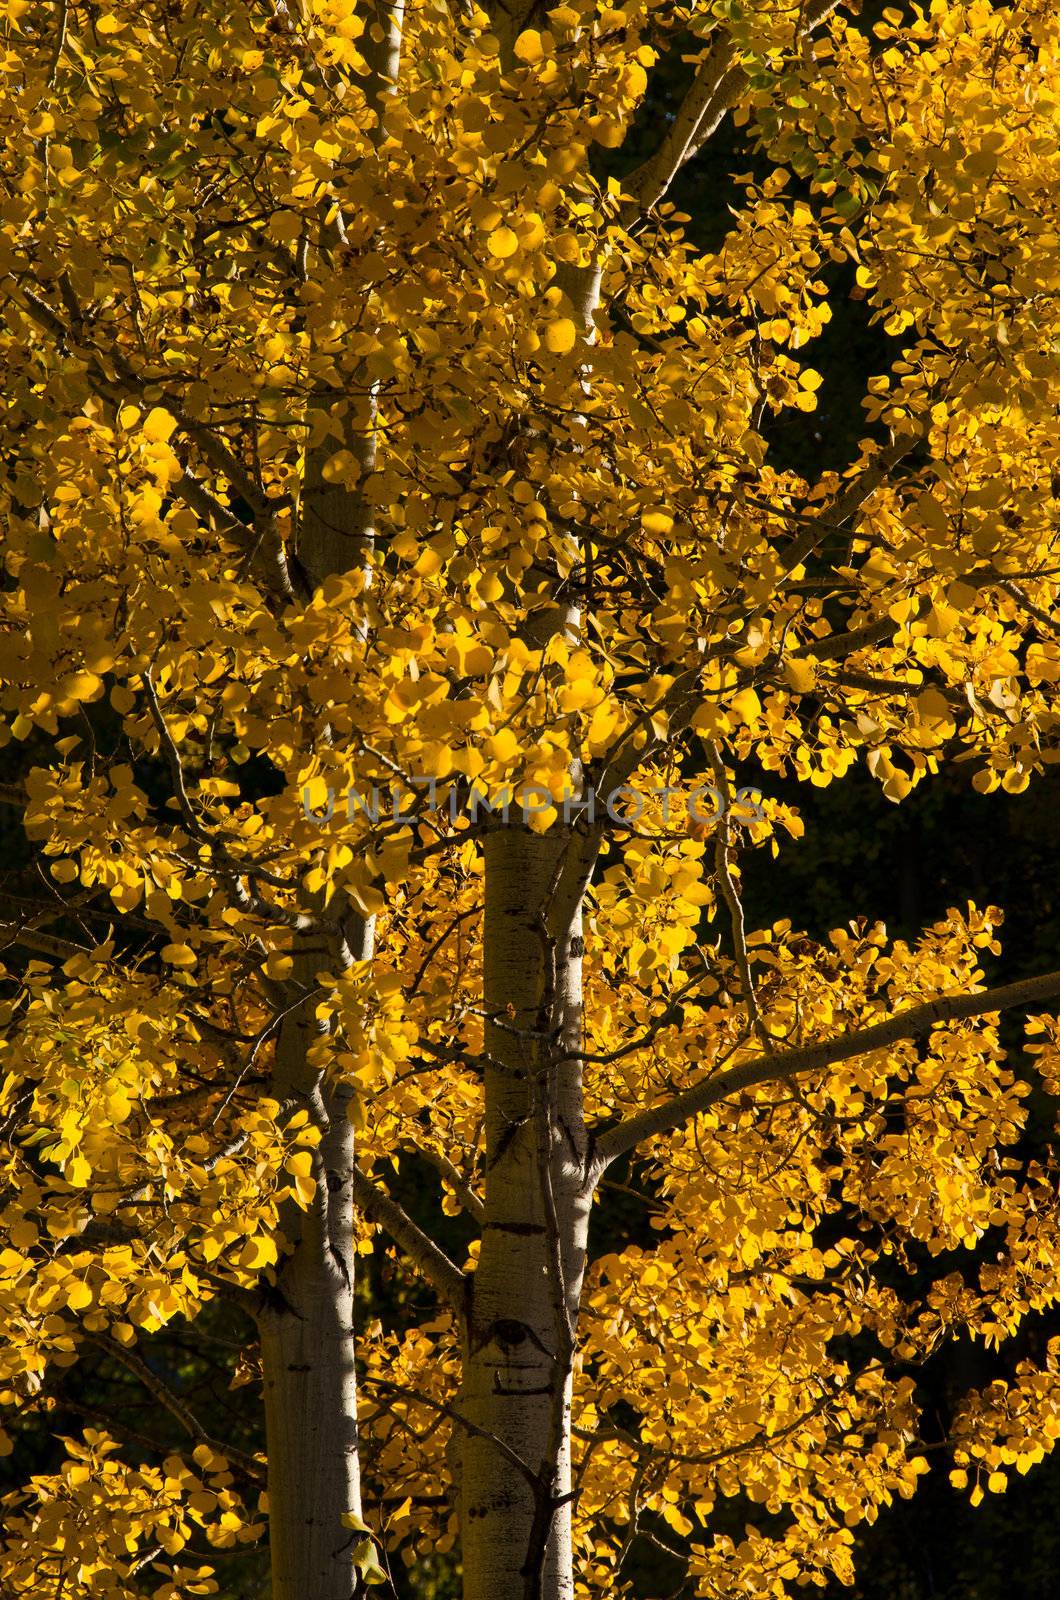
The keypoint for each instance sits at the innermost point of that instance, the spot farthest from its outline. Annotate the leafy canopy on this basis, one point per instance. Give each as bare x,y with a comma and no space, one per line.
227,271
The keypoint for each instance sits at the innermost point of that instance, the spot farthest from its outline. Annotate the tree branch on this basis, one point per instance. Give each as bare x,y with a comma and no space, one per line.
715,89
511,1456
674,1113
840,512
426,1256
452,1175
837,645
45,944
723,870
174,1404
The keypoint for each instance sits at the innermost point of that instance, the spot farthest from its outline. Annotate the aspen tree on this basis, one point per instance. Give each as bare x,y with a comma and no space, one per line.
400,580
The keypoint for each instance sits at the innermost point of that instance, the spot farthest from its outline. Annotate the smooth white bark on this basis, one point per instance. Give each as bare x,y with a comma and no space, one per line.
526,1289
307,1350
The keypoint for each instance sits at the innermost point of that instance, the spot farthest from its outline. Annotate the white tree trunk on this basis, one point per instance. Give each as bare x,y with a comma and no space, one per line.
307,1324
523,1304
515,1510
307,1350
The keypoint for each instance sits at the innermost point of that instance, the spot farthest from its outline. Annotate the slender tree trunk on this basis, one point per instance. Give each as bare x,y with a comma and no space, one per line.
306,1323
307,1327
306,1320
516,1395
525,1295
307,1349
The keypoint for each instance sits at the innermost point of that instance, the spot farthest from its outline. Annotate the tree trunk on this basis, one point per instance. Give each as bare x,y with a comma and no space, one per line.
515,1511
307,1324
523,1305
307,1350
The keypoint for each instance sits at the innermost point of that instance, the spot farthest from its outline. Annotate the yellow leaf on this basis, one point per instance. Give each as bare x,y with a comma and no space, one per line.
342,464
158,425
801,675
118,1105
82,686
504,746
930,514
257,1252
78,1296
78,1172
746,706
560,336
934,711
529,46
179,955
503,242
897,786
